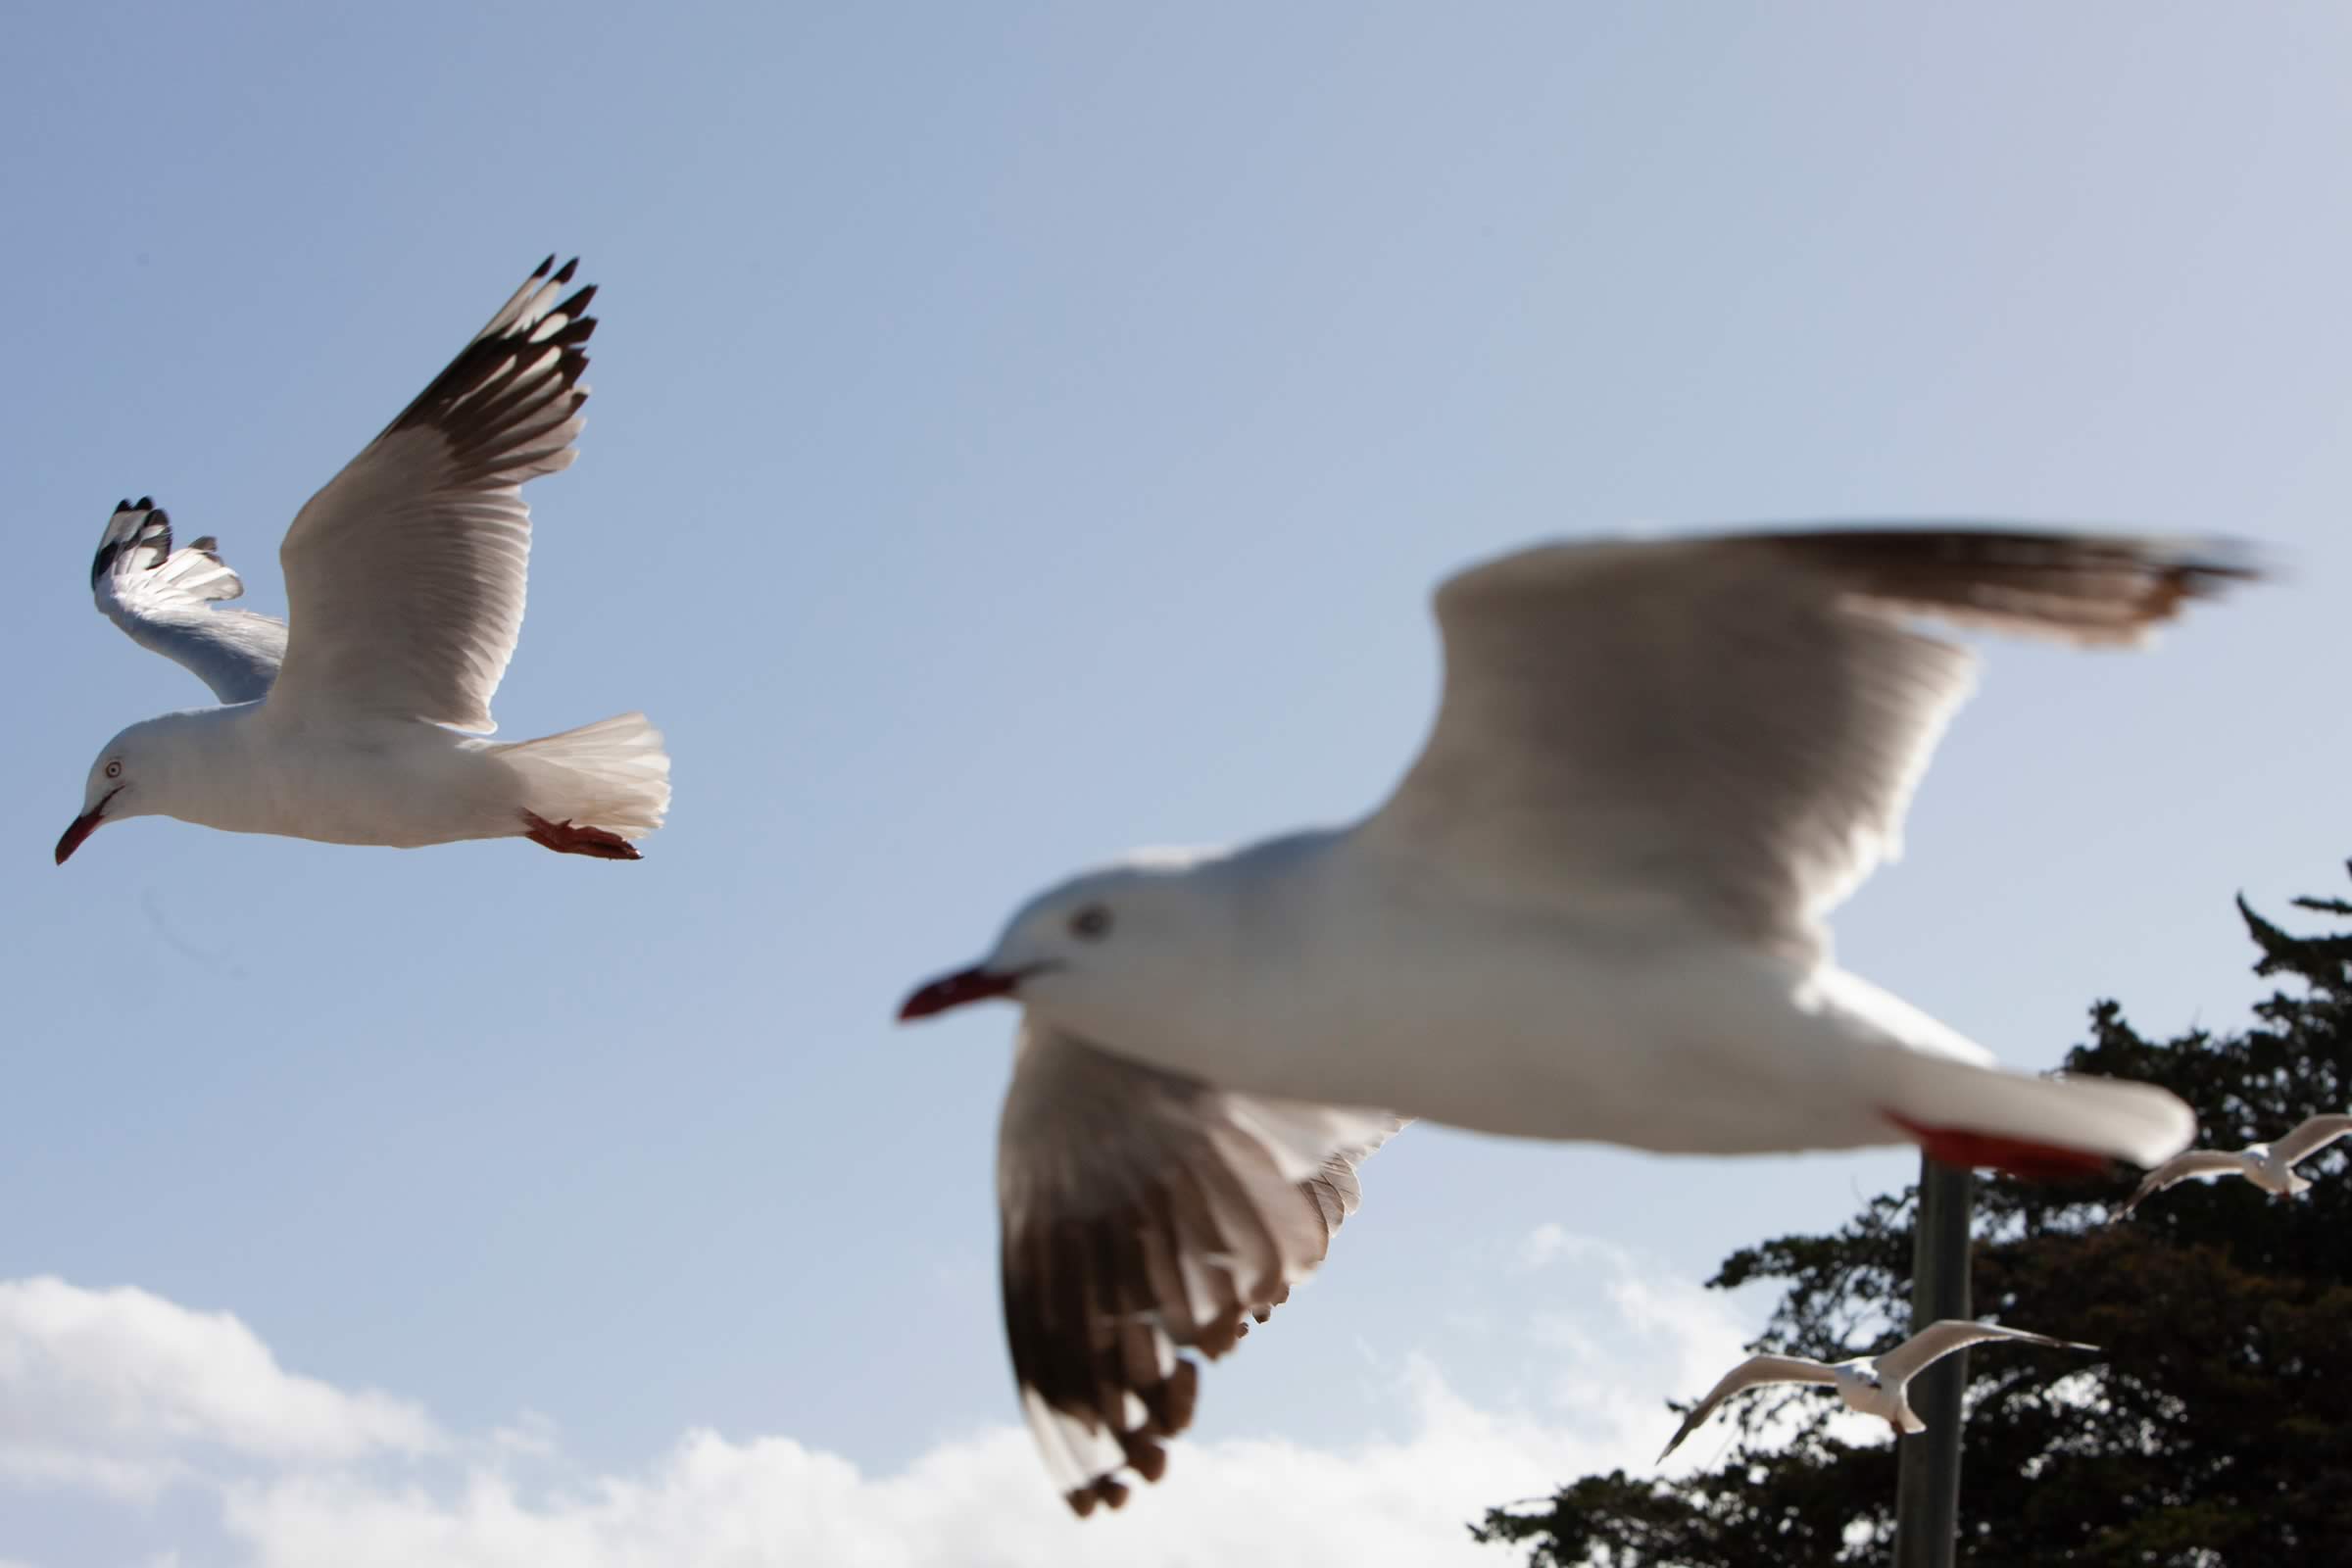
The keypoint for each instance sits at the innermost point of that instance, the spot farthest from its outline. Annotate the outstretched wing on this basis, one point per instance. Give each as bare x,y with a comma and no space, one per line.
1731,725
163,599
1146,1213
405,575
2180,1168
1941,1339
1754,1372
2316,1134
1336,1193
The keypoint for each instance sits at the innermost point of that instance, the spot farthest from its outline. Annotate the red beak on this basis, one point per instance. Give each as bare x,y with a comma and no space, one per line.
83,827
955,989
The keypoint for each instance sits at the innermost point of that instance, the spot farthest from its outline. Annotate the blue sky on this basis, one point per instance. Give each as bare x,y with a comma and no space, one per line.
1021,432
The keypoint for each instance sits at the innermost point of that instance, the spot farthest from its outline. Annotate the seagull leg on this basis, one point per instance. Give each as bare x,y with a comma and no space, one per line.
570,838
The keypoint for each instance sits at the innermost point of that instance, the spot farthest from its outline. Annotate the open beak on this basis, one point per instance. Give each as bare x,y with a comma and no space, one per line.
83,827
949,991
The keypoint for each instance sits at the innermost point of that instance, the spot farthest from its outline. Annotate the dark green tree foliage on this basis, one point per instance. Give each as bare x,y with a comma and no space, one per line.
2215,1430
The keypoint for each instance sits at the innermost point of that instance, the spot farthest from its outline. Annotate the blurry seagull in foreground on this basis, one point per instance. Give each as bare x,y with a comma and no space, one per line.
1592,909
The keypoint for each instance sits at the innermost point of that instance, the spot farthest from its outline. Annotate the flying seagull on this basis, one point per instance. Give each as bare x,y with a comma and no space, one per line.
405,583
2268,1166
1874,1385
1591,910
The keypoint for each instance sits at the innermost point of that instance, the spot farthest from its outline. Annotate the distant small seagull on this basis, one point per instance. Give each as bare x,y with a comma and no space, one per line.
2268,1166
1874,1385
1591,910
404,581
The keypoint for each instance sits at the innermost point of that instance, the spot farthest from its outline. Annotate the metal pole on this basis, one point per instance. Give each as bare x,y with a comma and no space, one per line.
1927,1496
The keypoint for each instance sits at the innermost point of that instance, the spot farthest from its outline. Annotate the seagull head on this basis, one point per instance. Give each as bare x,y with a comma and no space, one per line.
1096,949
130,778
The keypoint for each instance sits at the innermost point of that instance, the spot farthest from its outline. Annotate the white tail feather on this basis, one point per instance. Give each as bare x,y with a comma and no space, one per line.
611,774
1929,1075
2138,1122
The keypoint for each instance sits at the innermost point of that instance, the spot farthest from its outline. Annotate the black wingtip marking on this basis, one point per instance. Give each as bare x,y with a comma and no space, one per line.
546,266
483,404
155,530
1103,1489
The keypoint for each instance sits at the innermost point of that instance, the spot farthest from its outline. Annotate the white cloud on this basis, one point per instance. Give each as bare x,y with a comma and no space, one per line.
296,1470
123,1392
1682,1339
979,1501
1543,1244
1549,1243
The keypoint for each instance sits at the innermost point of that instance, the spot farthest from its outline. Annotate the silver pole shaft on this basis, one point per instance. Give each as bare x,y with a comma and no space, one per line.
1927,1497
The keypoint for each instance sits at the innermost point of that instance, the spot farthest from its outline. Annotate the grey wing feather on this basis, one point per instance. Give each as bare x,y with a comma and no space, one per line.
1754,1372
1337,1193
1146,1213
2316,1134
406,573
1941,1337
1736,723
165,600
2182,1167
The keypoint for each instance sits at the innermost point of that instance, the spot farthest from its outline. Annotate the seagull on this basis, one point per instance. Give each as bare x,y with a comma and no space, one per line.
2268,1166
1873,1384
1591,910
405,583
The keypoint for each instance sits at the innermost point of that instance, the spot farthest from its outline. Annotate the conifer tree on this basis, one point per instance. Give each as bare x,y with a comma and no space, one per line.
2216,1427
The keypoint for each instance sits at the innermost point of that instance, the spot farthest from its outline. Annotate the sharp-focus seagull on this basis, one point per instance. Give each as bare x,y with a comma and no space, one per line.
405,583
1591,910
2268,1166
1874,1385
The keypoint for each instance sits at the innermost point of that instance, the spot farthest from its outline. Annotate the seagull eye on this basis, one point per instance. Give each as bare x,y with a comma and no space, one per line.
1091,924
113,769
